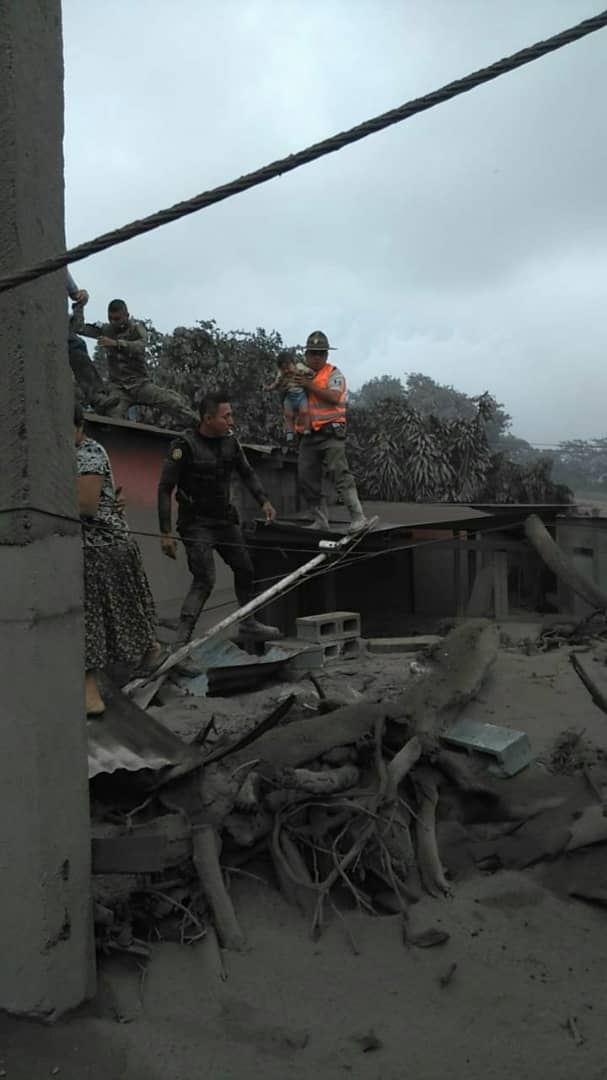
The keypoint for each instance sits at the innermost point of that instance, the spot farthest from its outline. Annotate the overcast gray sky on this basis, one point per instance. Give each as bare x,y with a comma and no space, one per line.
469,242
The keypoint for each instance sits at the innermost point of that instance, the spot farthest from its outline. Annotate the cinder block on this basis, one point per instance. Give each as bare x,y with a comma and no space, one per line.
421,643
330,626
510,749
344,649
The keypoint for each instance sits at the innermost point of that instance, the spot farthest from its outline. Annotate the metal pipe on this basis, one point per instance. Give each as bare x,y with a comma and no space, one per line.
327,549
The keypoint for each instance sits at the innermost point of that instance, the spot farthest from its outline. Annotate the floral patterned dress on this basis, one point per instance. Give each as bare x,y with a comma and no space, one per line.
119,612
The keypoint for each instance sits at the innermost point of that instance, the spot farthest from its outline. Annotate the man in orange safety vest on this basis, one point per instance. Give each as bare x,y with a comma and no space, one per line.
323,448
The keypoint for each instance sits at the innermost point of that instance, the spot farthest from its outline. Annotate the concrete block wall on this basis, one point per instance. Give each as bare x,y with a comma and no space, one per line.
45,910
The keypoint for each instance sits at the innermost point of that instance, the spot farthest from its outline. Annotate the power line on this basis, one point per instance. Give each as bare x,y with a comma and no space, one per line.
304,157
286,547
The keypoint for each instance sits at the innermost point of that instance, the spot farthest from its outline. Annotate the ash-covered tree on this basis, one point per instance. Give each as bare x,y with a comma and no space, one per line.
582,464
400,454
417,440
511,482
372,392
427,397
202,358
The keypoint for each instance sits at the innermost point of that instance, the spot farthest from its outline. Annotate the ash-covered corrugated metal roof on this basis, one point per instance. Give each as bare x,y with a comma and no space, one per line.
128,738
227,669
95,419
403,519
395,519
417,515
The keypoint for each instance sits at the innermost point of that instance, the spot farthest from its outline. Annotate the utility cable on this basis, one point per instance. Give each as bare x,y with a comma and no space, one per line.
346,556
279,546
304,157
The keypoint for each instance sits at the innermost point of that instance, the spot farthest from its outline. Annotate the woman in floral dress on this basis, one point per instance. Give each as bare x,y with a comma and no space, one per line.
119,612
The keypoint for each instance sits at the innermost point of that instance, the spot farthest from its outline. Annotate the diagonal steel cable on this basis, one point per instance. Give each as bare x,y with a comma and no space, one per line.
304,157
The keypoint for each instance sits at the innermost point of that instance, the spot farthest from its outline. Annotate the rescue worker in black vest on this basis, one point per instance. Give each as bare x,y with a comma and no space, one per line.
200,466
324,449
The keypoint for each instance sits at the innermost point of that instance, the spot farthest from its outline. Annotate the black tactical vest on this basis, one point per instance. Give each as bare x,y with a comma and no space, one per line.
204,483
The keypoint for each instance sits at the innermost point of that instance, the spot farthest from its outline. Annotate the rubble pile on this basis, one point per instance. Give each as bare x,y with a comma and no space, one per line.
343,804
366,805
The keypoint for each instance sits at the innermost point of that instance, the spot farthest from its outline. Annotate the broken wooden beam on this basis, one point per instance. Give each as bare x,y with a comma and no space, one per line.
593,675
146,849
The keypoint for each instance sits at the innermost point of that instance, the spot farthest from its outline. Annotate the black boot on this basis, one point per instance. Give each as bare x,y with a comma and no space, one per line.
183,633
188,666
251,627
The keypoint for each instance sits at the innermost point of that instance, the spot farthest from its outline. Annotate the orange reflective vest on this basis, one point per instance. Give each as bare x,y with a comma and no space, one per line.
321,412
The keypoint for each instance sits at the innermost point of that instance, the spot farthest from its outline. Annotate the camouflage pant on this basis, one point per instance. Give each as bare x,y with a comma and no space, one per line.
147,393
200,541
319,454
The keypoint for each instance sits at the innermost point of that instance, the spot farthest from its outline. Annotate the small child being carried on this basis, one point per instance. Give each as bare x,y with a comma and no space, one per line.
295,398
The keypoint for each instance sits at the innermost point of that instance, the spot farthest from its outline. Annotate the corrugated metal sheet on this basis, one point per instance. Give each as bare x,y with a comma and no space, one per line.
226,669
400,520
290,534
165,433
128,738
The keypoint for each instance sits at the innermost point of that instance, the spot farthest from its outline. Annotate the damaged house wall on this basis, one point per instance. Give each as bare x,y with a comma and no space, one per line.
47,962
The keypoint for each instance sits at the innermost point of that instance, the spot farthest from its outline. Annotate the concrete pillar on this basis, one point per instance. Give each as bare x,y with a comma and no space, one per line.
45,926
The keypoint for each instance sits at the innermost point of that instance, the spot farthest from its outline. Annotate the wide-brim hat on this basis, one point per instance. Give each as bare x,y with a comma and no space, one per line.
318,342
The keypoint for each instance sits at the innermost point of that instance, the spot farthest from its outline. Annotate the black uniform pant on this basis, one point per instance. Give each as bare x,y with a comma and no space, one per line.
201,539
89,384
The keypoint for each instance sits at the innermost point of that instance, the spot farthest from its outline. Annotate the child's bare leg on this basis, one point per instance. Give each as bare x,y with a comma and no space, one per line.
289,422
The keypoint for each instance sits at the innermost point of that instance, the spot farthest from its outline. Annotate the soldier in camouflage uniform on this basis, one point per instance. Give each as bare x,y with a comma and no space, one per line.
129,381
200,466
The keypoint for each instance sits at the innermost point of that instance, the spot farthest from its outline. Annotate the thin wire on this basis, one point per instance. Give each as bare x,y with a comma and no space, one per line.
285,547
340,563
103,527
347,557
304,157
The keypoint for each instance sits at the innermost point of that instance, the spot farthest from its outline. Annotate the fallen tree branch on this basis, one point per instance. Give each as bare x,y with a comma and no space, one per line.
206,846
262,728
401,764
321,782
460,665
428,858
247,830
380,764
589,673
297,895
306,740
561,565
